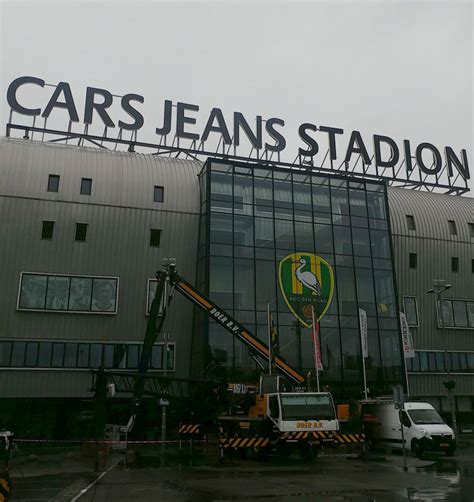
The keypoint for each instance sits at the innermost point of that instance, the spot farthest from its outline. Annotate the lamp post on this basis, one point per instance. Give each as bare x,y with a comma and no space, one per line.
440,287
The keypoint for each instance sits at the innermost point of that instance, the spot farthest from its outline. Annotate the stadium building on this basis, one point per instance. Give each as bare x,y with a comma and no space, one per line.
85,229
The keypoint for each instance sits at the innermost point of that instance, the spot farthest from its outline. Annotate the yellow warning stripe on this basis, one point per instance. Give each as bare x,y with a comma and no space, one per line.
189,429
195,295
5,484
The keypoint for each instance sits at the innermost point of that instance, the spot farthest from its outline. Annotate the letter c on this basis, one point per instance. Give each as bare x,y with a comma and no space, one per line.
11,95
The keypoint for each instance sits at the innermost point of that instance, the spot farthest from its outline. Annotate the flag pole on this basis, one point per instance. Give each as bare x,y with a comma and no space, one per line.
316,349
363,344
269,340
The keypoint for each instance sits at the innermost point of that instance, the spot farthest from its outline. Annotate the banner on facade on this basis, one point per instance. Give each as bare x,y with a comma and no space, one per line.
408,350
363,332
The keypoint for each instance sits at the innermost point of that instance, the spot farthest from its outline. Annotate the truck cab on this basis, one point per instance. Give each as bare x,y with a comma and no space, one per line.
302,411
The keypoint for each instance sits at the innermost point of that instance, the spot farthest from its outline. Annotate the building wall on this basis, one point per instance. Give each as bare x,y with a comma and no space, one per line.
434,246
120,213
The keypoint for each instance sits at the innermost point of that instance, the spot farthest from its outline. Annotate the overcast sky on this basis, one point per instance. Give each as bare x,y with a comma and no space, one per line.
399,68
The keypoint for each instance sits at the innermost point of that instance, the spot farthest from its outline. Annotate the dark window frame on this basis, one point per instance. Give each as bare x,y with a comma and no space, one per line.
47,230
413,260
158,193
417,325
53,183
453,230
81,231
155,237
411,224
86,186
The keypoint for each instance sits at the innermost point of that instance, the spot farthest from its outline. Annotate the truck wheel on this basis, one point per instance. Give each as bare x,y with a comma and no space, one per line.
416,448
450,451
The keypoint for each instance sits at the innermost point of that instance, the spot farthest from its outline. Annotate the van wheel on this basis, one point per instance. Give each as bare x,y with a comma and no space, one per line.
416,448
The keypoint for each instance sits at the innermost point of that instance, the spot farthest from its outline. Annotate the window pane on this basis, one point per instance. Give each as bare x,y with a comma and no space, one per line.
384,293
81,232
5,352
410,310
446,316
57,360
358,203
53,183
244,289
18,354
432,361
120,355
132,356
156,357
283,194
380,243
376,205
58,292
264,232
339,202
221,281
158,194
83,355
265,283
263,192
304,236
44,355
423,361
243,231
221,228
70,355
31,353
80,293
410,222
86,186
33,291
104,295
346,290
365,291
302,197
170,357
440,361
323,238
155,237
321,198
455,361
47,230
108,356
360,239
284,235
460,316
96,355
342,240
470,313
243,189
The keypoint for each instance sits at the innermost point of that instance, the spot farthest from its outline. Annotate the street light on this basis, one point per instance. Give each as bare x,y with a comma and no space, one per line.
440,287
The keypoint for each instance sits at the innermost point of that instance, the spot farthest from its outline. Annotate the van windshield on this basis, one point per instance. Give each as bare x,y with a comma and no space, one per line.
425,417
307,407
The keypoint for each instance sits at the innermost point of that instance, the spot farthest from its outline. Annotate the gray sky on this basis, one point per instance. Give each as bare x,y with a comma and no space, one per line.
403,68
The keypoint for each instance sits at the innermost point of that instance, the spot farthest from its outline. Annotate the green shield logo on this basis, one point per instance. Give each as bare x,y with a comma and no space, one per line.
306,280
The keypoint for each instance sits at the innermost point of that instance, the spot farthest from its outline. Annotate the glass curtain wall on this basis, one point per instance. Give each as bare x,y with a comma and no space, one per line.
251,219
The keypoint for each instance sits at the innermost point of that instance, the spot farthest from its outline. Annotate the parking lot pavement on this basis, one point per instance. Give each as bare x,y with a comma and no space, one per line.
331,477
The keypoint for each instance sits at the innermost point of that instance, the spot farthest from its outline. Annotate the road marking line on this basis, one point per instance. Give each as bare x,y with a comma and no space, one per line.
88,487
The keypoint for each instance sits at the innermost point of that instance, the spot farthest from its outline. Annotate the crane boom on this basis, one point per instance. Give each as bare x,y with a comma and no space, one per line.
231,325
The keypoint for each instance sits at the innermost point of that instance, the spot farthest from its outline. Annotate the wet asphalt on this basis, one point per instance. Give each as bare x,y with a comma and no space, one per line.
203,478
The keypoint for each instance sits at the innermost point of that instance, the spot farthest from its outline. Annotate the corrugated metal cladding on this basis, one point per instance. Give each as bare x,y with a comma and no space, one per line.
432,385
435,246
120,213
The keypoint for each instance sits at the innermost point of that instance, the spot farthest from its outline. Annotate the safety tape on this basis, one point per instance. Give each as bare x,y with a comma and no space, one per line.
189,429
102,441
239,442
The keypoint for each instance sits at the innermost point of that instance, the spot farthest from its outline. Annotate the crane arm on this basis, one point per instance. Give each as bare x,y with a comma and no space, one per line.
231,325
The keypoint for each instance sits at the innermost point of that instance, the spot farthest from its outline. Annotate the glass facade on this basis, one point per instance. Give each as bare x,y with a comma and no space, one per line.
255,219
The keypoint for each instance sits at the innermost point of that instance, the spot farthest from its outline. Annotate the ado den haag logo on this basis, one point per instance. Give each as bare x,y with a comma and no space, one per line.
306,280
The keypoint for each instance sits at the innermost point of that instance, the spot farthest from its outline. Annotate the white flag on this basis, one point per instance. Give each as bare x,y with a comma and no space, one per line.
408,350
363,332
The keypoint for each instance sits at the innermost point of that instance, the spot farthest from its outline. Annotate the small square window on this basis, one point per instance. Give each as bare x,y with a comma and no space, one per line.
454,264
413,260
471,229
410,222
155,237
452,227
81,232
158,194
53,183
47,230
86,186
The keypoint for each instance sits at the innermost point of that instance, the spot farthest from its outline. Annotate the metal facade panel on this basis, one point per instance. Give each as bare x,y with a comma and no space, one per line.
120,213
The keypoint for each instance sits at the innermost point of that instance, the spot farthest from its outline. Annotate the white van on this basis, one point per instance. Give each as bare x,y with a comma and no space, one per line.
423,427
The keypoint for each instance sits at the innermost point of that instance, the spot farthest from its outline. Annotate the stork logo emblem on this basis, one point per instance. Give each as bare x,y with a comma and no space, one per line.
306,280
